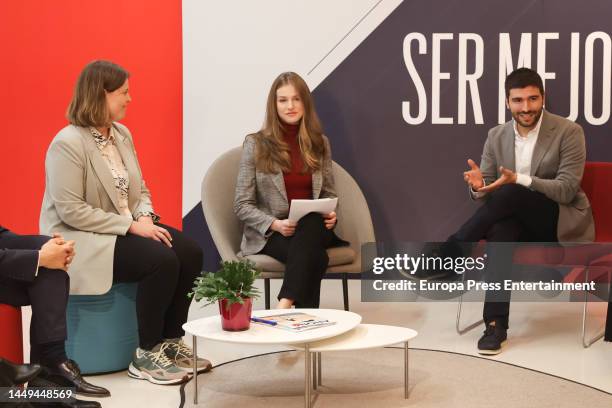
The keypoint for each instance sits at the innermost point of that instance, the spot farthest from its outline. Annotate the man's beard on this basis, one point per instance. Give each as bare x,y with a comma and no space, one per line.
536,118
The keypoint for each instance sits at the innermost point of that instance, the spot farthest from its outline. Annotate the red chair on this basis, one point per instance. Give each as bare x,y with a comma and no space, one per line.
11,341
596,185
590,262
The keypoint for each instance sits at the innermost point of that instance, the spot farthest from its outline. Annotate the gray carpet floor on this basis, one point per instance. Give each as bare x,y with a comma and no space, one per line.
374,378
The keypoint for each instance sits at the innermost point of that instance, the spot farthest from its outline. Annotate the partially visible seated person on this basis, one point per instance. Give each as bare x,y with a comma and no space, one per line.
289,158
33,272
95,194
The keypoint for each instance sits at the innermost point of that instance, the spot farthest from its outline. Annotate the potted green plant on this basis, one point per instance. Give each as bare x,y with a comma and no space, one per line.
232,287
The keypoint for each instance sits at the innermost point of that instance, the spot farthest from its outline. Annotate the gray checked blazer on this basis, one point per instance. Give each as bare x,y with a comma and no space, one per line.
261,197
557,166
80,202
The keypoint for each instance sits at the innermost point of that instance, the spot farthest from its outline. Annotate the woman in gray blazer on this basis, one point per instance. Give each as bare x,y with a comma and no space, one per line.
95,195
289,158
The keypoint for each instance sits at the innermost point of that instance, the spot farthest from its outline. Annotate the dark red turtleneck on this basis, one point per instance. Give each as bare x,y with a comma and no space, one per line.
297,183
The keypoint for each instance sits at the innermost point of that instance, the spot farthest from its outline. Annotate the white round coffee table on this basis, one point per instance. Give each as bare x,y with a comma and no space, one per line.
210,328
364,336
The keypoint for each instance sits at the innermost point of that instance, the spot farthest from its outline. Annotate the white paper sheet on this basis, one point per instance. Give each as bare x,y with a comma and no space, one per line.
300,208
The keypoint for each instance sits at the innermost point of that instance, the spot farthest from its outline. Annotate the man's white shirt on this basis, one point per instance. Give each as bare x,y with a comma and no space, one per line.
523,153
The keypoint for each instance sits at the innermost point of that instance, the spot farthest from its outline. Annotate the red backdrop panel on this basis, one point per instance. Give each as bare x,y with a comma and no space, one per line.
45,44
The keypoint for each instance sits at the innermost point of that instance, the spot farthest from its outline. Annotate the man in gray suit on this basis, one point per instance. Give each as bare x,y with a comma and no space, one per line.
529,179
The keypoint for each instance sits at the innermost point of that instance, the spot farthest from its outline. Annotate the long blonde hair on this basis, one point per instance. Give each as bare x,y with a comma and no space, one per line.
272,153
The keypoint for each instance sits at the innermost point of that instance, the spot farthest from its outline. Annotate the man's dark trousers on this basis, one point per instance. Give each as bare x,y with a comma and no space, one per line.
512,213
47,293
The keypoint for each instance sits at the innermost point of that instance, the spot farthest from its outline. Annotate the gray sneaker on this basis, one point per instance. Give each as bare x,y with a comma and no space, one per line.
182,356
156,367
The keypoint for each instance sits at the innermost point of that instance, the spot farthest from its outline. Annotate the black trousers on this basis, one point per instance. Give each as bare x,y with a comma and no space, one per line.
305,257
47,293
165,275
512,213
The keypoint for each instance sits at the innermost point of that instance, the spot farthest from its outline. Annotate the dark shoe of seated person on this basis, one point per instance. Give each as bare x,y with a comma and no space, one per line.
491,341
73,403
449,249
19,373
68,374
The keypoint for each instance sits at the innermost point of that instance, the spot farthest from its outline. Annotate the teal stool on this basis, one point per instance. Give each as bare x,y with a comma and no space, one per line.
103,329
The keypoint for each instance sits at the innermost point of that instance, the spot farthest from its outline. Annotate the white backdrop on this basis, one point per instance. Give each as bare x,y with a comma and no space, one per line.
233,50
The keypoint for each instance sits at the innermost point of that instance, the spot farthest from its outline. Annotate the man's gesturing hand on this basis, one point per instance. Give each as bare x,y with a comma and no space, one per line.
473,176
507,177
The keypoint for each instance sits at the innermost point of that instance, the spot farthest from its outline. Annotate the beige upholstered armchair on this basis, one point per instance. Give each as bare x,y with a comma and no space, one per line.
354,222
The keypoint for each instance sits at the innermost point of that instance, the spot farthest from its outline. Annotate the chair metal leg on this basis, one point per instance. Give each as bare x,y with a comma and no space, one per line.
345,291
462,330
267,292
587,343
315,371
406,371
194,345
307,386
319,368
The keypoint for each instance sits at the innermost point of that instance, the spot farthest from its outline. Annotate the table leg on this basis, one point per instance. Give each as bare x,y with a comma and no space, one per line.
319,361
307,376
406,370
315,371
195,368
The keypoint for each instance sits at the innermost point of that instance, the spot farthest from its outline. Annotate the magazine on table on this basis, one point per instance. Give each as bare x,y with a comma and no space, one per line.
294,321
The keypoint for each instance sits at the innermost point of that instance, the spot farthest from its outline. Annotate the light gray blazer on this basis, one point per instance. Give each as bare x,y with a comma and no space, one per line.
557,166
261,197
80,202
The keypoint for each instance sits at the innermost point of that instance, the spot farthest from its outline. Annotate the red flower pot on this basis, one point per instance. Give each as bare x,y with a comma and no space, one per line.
237,317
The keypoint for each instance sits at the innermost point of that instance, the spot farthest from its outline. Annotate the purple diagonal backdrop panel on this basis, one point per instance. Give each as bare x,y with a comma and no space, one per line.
443,59
411,174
